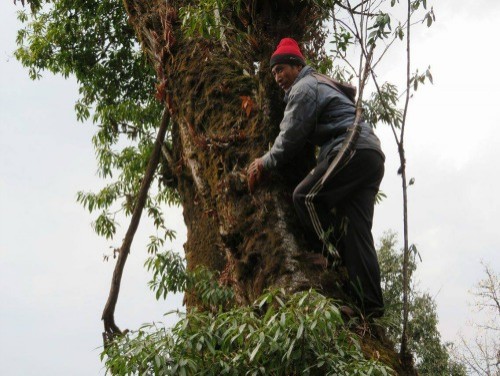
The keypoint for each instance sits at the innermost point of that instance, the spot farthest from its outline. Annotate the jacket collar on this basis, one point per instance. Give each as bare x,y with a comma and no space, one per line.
306,70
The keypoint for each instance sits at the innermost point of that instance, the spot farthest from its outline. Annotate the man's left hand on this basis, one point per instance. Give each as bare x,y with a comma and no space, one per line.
254,174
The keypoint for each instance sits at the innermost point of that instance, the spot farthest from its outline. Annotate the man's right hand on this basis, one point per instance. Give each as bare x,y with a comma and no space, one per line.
254,174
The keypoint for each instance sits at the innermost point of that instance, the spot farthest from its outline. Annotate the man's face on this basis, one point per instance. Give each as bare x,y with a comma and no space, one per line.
285,75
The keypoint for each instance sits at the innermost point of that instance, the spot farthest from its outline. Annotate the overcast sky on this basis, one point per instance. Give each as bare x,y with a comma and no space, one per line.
54,283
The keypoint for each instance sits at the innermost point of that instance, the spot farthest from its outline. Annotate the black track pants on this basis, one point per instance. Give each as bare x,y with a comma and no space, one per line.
339,213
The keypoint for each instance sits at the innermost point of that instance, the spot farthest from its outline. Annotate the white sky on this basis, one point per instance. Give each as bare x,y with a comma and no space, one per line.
53,282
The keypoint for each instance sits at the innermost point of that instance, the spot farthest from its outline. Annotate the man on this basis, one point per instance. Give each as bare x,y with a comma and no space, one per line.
337,210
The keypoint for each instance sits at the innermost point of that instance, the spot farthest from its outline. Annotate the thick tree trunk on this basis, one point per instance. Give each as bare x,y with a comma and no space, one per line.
226,110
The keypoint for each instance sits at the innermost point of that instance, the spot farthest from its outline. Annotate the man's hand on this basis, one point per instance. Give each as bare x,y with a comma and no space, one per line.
254,174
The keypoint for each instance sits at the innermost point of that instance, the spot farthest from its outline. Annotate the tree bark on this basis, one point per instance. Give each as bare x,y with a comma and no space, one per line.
225,113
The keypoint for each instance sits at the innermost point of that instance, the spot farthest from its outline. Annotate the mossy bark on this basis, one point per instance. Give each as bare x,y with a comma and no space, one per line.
225,112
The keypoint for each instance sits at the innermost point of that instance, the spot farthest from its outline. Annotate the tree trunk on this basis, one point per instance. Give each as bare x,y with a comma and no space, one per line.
225,111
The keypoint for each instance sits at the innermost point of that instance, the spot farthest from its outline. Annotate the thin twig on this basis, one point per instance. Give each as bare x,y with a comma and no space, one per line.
359,13
343,56
406,276
359,5
355,129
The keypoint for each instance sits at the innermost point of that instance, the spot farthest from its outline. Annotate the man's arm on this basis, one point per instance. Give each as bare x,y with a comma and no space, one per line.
299,121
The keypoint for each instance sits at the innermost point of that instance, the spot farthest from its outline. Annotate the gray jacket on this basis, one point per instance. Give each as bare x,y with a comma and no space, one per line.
317,113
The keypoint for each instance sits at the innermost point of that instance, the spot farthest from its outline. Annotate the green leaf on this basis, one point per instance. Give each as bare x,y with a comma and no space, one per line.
301,301
210,347
290,349
255,350
300,331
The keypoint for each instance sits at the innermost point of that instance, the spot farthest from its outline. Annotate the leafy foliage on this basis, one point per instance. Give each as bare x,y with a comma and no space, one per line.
418,78
424,339
278,335
206,18
92,41
480,353
382,106
170,276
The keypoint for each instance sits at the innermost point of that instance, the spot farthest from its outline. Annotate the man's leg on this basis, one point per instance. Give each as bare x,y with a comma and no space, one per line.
351,191
314,213
358,252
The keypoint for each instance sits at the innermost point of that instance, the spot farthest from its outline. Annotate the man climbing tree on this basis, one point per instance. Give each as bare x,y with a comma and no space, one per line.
319,111
209,63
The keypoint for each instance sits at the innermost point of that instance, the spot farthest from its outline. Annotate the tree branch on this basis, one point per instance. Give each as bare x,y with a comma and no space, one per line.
108,315
406,271
354,11
355,129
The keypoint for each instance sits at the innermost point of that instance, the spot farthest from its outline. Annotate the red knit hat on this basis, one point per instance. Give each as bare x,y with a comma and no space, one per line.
287,52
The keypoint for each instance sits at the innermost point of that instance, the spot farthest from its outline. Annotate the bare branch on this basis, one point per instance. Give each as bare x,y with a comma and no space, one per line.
357,6
355,129
354,11
488,290
385,50
471,360
108,315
